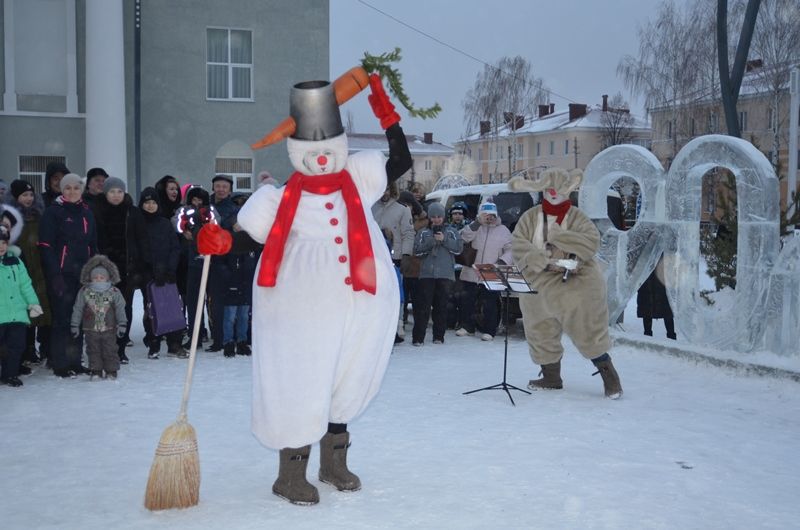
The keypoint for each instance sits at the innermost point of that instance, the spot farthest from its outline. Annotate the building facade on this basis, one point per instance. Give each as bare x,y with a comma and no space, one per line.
432,160
567,138
146,88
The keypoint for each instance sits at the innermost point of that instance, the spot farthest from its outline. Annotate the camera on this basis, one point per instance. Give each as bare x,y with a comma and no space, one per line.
437,229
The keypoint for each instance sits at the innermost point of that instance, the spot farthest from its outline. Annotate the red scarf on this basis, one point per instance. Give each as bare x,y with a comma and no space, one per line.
362,259
559,210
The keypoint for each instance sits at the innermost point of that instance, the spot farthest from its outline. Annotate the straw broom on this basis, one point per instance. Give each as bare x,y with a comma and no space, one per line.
174,480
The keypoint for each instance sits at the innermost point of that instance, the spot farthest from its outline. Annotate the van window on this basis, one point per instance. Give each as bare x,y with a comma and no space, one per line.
511,206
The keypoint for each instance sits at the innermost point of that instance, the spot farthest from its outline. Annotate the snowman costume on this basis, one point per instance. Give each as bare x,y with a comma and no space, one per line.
325,297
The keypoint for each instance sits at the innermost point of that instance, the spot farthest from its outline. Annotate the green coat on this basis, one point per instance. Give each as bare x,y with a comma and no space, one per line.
16,291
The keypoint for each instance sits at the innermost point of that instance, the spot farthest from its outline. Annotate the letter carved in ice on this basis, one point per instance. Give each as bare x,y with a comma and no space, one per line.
670,222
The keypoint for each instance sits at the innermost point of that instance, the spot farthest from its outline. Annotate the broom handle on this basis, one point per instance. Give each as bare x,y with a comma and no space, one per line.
198,316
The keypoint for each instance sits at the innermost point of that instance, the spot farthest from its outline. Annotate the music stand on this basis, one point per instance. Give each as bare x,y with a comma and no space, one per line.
504,278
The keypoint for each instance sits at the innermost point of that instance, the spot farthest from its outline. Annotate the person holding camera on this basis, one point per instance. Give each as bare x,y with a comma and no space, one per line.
437,246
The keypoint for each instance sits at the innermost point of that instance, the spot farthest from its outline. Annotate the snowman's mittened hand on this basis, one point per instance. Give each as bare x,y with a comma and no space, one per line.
213,240
380,103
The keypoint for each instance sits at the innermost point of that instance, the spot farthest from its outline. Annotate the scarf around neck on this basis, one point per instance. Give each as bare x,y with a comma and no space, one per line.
559,210
362,259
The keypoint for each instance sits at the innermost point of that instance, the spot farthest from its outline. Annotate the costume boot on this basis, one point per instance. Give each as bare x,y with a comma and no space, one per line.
611,384
333,462
550,380
291,483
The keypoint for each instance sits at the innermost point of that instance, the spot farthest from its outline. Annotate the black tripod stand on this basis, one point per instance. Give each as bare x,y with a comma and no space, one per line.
497,278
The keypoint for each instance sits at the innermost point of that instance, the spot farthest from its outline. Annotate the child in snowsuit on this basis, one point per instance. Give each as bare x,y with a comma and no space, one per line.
17,301
99,311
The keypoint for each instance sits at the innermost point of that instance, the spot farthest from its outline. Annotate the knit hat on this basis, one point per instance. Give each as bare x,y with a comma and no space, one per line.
458,208
488,208
71,178
435,209
55,167
114,183
100,270
19,186
148,194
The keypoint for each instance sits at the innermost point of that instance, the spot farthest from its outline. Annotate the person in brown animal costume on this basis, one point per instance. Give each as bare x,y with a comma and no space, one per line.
554,245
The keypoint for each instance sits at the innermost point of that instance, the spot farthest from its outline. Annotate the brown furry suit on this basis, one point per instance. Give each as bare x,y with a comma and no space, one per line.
576,307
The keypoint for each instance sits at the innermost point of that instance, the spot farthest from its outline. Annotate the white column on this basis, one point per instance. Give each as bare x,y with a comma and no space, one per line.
72,59
10,94
106,145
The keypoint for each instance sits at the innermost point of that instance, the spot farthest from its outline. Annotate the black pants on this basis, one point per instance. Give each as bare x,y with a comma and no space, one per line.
478,294
216,291
669,324
65,352
430,294
12,339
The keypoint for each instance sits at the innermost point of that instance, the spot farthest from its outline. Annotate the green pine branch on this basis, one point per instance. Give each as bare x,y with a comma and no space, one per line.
381,64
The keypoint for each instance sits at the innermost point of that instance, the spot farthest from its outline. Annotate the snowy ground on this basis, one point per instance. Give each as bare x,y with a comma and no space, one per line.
688,446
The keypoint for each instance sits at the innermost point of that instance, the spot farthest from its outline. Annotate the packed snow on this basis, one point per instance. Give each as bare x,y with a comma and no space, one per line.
689,445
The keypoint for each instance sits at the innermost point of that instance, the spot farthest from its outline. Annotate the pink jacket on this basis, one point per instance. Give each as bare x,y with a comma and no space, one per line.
493,243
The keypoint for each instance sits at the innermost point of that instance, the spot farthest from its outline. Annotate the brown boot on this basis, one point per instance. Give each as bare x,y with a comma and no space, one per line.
611,384
550,380
291,483
333,462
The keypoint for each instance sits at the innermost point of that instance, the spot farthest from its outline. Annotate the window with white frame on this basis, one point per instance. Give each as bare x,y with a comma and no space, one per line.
32,169
538,149
240,169
229,66
552,147
743,120
428,165
566,147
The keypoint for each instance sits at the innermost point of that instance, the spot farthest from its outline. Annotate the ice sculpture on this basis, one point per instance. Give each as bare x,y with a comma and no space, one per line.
670,222
628,256
782,318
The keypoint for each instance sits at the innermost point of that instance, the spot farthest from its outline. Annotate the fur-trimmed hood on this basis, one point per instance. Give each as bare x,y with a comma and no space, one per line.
99,260
15,230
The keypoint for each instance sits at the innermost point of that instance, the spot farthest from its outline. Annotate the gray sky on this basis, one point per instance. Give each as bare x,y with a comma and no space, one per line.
574,45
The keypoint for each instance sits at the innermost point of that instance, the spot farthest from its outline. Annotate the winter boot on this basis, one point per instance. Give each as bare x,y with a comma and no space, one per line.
242,348
551,378
230,350
96,374
291,483
111,375
401,329
611,384
333,462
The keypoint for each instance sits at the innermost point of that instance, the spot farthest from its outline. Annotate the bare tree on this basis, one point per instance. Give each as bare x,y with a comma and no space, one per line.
731,80
616,122
668,70
503,95
776,42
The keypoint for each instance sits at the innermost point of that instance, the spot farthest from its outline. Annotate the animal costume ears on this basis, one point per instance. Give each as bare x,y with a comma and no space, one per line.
555,177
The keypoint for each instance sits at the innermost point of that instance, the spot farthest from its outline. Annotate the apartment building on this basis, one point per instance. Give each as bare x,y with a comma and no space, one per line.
567,138
146,88
763,115
432,160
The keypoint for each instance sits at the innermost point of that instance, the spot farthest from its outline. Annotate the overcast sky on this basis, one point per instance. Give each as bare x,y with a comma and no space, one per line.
574,45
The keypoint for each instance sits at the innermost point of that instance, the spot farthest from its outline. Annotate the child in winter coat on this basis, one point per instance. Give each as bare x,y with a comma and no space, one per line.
99,311
159,252
18,301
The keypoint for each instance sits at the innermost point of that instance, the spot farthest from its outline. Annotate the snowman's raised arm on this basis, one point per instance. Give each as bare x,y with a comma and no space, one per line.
400,159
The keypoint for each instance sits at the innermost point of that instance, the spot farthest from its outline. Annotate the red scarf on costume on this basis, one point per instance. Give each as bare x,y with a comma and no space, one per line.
559,210
362,259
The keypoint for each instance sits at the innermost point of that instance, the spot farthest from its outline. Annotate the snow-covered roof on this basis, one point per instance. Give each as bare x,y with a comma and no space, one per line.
416,144
559,120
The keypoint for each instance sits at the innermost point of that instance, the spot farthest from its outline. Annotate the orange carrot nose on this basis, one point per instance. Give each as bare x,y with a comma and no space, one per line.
345,87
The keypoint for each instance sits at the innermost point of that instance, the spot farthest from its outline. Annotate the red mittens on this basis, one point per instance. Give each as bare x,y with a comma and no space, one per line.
213,240
380,103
